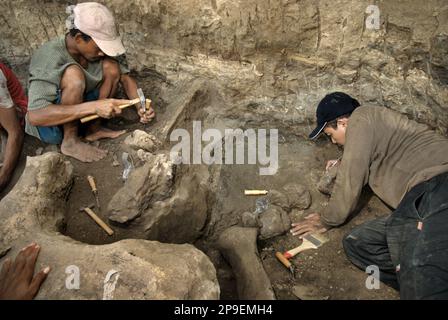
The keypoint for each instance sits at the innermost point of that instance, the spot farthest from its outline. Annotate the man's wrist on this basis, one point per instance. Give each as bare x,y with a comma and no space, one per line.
325,225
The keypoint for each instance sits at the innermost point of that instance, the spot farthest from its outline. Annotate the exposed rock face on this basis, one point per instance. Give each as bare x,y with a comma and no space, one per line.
298,196
182,217
273,222
239,247
140,139
273,57
144,269
274,219
155,203
327,180
151,182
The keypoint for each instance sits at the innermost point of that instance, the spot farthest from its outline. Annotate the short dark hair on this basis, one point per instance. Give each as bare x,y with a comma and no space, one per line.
334,123
74,32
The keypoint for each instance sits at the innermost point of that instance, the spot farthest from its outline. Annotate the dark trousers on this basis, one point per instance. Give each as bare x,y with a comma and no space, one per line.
410,247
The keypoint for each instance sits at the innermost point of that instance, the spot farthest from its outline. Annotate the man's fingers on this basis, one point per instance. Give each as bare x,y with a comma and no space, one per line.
19,262
117,110
300,228
311,216
305,234
30,262
322,230
304,231
120,102
37,281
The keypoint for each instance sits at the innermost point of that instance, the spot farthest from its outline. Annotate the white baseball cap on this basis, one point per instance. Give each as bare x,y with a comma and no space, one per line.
96,21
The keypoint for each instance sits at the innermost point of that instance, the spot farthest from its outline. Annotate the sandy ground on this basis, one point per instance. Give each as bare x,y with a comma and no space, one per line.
325,272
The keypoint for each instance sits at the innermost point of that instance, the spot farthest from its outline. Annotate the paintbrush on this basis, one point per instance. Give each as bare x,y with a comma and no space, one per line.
311,241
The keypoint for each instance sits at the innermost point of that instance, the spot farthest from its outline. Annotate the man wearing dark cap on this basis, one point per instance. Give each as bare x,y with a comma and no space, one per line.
406,165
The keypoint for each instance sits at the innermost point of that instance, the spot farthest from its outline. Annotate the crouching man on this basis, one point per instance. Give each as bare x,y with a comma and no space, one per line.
406,165
76,76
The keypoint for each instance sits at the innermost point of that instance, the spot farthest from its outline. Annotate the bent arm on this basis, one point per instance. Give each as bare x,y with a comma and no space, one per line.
56,114
10,122
353,173
129,86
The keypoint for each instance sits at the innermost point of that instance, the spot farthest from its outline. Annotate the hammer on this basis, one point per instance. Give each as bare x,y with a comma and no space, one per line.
286,263
144,103
131,103
97,219
141,96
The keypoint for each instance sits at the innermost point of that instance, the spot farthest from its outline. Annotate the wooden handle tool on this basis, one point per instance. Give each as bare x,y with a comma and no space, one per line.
255,192
99,221
123,106
94,190
285,262
312,241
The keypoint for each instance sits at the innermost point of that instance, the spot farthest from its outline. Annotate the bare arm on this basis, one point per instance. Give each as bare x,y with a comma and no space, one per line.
130,88
54,115
9,121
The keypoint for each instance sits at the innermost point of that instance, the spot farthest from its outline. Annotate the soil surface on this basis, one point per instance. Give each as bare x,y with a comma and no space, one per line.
325,272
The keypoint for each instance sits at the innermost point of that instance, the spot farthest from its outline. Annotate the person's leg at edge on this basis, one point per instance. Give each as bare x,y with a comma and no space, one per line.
108,89
366,245
72,91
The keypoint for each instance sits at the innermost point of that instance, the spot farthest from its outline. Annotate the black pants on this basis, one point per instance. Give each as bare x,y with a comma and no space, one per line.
410,247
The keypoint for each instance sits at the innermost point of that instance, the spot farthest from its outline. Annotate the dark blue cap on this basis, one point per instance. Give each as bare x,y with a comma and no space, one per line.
334,105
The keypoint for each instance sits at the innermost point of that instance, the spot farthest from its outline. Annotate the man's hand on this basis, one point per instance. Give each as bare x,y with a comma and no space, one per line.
147,116
331,163
109,108
312,224
17,279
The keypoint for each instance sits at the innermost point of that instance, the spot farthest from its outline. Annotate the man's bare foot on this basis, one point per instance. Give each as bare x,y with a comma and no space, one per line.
81,151
101,133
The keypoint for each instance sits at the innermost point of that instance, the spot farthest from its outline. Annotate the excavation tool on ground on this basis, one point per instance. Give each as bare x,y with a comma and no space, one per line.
97,219
312,241
123,106
255,192
286,263
94,190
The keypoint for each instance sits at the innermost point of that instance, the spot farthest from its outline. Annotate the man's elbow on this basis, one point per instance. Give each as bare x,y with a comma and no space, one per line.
34,119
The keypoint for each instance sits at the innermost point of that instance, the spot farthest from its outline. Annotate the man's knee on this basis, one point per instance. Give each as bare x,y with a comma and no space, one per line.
358,246
350,245
111,69
73,79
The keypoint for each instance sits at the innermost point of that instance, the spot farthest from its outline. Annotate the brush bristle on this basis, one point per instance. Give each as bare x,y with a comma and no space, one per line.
316,239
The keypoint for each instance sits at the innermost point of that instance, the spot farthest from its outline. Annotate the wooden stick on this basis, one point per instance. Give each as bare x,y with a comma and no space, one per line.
92,183
255,192
93,117
283,260
99,221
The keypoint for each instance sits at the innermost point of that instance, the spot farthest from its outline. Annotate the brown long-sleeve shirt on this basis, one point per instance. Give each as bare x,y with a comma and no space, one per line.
389,152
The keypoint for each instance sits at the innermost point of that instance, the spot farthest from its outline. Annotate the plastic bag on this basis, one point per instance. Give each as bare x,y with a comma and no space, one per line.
128,166
261,205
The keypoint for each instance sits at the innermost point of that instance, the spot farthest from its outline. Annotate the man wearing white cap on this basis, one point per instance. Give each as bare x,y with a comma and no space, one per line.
76,76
